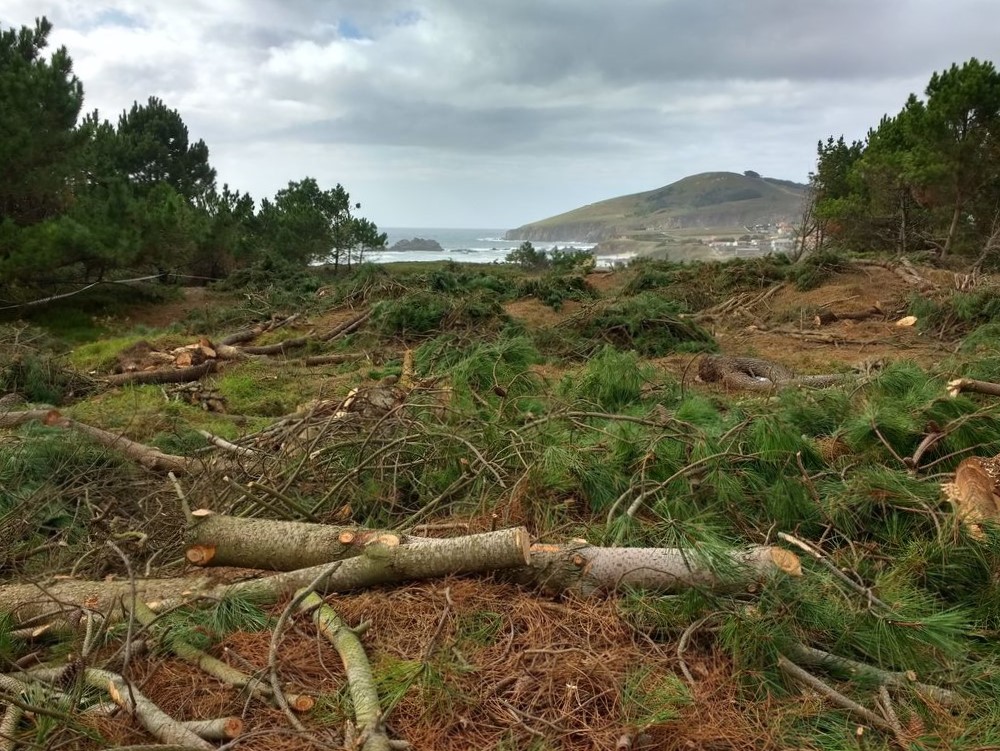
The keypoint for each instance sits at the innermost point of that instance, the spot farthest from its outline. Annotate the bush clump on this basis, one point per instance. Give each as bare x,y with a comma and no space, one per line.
555,289
816,268
647,323
421,313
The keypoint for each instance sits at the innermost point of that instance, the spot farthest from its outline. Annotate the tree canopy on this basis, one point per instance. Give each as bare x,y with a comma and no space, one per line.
82,198
927,178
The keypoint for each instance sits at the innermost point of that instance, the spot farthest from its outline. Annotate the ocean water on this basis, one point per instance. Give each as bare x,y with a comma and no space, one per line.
462,245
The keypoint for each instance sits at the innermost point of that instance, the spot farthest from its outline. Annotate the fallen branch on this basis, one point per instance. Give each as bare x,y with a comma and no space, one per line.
332,359
181,375
809,656
804,677
754,374
160,725
252,332
219,729
216,667
360,681
148,456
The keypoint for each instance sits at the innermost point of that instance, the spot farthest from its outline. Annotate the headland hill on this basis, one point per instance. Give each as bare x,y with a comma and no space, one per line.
707,215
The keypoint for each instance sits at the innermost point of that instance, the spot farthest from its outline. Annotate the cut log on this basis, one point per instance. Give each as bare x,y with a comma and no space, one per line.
380,564
219,729
332,359
829,316
219,540
181,375
16,419
960,386
589,570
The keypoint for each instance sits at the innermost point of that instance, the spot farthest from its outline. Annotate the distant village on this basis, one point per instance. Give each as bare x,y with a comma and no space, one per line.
758,240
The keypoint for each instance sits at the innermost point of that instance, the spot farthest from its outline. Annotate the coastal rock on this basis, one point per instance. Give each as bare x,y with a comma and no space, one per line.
416,243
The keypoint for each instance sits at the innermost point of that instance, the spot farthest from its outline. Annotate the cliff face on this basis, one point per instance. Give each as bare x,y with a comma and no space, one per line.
583,232
709,200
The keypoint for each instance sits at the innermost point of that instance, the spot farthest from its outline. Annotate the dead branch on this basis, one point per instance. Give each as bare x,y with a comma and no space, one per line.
181,375
754,374
252,332
811,657
216,667
806,678
360,681
332,359
148,456
160,725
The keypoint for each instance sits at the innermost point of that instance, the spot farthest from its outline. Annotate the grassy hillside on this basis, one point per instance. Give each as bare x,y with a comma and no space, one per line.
710,199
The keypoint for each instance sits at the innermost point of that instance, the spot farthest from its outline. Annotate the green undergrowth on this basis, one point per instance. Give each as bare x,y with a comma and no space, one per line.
574,431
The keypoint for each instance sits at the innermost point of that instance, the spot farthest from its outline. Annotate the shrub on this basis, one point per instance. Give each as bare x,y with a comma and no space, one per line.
647,323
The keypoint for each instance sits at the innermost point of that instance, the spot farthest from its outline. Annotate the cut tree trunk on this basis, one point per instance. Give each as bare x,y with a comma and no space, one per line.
220,540
380,564
16,419
577,567
181,375
829,316
589,570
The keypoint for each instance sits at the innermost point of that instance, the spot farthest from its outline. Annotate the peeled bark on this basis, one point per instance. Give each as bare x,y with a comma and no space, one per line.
380,564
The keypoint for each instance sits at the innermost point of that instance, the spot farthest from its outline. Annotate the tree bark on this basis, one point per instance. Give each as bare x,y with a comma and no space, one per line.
219,540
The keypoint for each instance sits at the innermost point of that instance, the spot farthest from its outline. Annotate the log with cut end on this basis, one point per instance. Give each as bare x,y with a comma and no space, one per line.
970,385
220,540
181,375
590,570
218,729
379,564
829,316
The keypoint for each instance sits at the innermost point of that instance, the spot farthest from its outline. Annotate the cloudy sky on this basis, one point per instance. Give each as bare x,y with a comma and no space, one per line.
494,113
